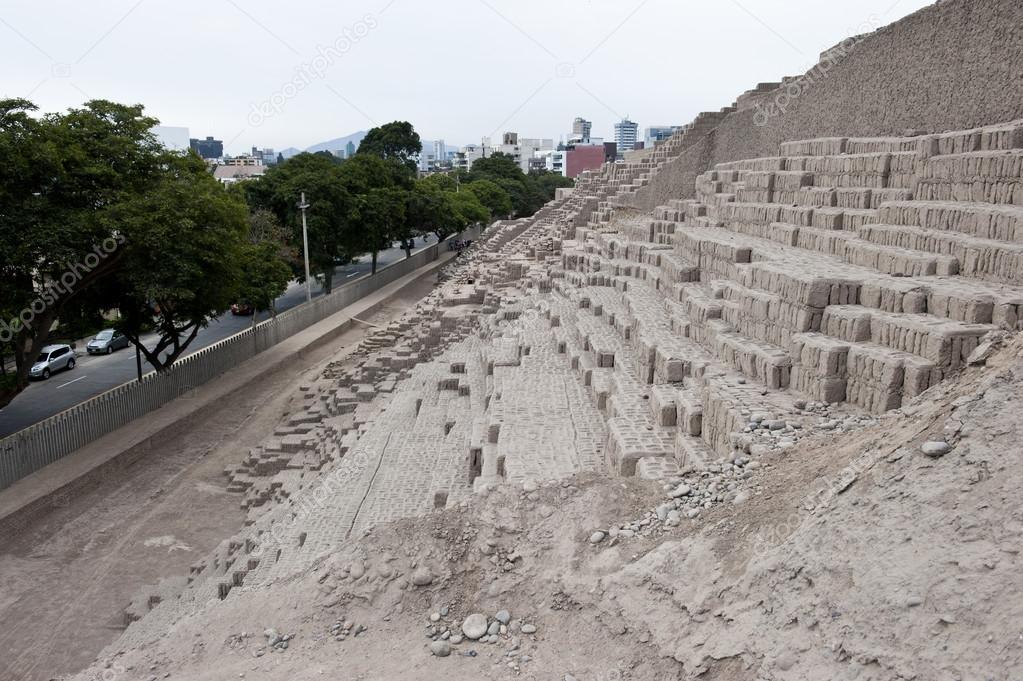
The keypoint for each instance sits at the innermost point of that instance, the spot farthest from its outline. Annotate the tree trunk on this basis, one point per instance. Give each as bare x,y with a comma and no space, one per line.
374,270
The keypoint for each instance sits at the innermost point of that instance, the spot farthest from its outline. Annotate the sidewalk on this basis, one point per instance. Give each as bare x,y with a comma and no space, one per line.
136,438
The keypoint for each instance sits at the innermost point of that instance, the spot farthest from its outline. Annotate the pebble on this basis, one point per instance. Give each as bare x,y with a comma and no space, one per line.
503,616
597,537
474,626
935,448
682,490
422,577
440,648
528,628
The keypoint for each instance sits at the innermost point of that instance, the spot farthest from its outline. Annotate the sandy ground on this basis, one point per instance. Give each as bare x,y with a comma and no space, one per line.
66,577
859,558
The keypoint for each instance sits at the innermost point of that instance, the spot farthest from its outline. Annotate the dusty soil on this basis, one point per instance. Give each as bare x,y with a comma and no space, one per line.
860,558
68,574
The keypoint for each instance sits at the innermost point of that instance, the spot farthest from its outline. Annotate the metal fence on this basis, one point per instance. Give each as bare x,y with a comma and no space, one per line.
43,443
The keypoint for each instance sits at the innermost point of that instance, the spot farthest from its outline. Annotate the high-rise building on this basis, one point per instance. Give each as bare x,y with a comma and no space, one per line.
207,148
440,151
581,130
350,150
626,133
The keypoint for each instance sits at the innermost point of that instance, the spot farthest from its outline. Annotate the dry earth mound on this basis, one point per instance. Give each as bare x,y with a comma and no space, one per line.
857,556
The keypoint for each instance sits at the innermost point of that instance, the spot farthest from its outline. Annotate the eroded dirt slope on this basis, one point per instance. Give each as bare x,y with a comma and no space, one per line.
858,557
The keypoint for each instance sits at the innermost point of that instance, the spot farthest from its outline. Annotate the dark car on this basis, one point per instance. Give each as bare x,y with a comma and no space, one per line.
243,309
106,342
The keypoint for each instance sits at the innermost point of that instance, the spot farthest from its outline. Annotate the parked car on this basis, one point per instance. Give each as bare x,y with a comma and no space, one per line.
242,309
107,341
52,359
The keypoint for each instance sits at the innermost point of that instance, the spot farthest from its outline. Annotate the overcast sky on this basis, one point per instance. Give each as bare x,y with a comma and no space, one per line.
279,74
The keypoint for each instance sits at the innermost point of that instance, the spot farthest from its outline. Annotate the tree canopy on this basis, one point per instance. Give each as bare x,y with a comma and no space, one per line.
397,140
527,192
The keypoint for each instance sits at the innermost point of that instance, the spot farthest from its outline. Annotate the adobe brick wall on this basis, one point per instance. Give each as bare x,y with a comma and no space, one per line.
955,65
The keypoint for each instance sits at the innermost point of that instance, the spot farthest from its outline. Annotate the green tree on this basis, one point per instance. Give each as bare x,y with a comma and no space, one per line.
495,167
528,192
264,276
468,209
63,180
267,262
423,208
491,195
397,140
381,212
183,261
332,238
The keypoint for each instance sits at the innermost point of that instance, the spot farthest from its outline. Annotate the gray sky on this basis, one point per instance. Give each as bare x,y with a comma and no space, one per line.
278,74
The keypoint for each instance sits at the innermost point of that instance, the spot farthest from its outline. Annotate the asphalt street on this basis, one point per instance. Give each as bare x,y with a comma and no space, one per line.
95,374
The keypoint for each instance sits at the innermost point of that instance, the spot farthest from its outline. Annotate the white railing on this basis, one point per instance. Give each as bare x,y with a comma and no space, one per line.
44,442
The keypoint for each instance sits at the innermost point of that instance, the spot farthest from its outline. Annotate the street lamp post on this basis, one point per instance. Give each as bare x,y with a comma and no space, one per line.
305,247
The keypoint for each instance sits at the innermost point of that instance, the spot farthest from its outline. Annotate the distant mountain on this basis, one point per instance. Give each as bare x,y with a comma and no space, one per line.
341,143
338,144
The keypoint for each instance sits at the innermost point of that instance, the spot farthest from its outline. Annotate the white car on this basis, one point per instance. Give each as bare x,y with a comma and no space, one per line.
52,359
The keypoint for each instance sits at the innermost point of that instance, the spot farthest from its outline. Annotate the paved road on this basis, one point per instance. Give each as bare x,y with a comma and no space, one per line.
96,374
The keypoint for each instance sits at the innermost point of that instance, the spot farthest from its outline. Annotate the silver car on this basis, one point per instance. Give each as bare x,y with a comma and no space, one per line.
107,341
52,359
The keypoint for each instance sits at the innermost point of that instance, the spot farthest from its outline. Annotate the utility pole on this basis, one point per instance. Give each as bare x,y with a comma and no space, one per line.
305,246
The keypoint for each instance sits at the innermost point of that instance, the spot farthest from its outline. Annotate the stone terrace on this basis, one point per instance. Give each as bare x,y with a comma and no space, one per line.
802,292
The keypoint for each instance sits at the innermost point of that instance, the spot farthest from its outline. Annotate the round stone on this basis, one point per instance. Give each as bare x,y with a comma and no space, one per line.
935,448
474,626
440,648
597,537
503,616
528,628
422,577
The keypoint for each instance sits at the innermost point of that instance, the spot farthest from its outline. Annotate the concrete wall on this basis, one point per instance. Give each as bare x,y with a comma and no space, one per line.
955,65
47,441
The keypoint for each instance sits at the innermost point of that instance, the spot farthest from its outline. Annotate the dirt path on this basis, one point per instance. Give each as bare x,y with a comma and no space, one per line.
67,576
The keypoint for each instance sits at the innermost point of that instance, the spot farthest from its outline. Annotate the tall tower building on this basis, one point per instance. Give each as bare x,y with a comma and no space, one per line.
626,134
